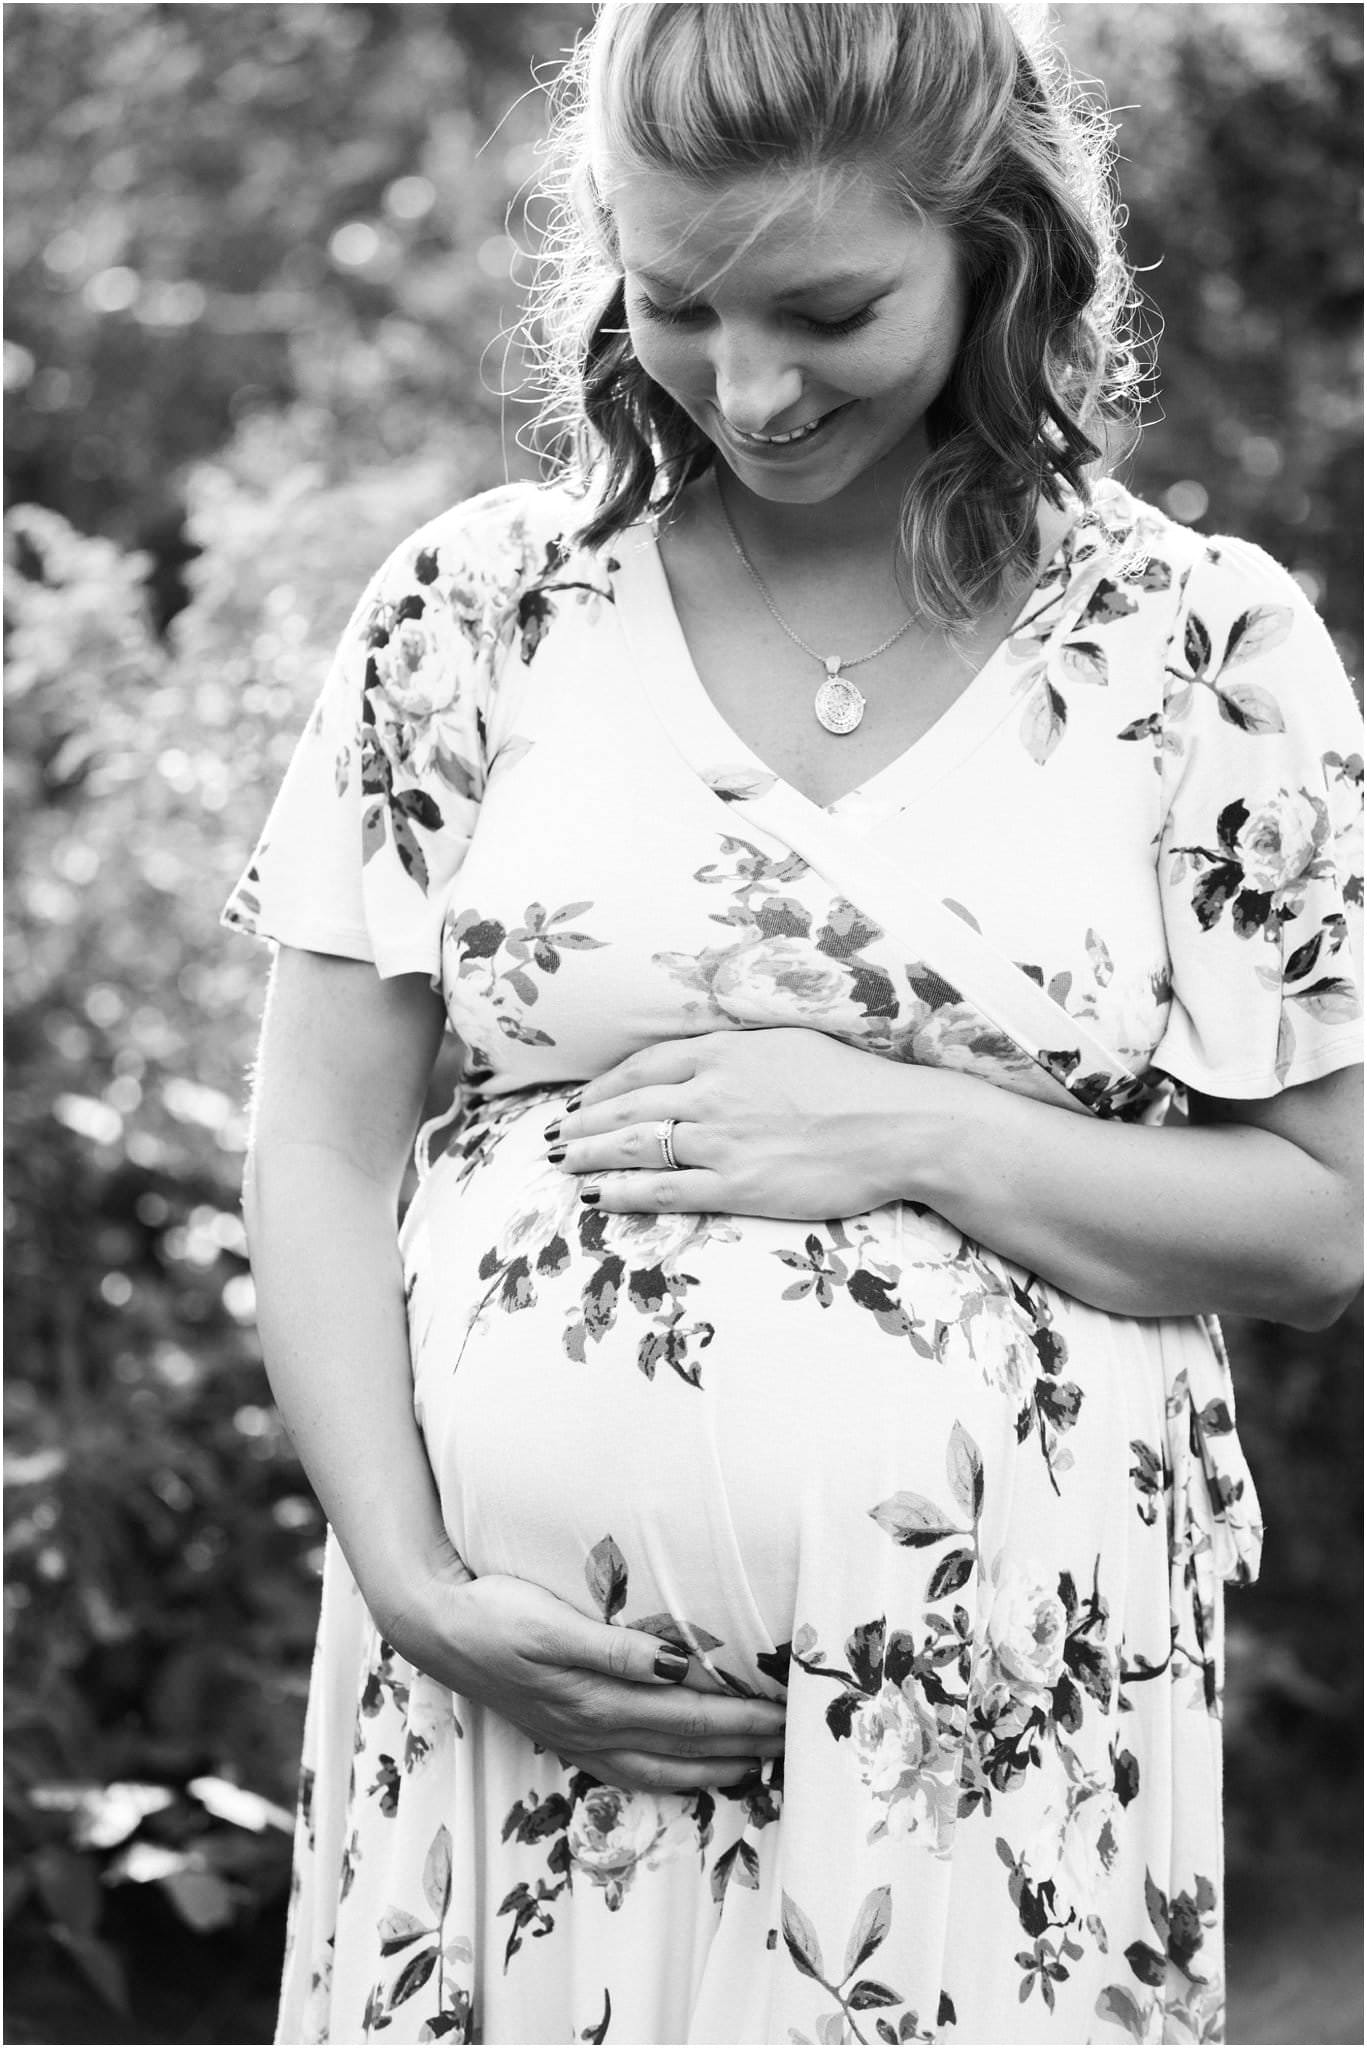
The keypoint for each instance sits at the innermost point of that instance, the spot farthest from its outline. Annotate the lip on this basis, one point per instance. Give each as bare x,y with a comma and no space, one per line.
782,451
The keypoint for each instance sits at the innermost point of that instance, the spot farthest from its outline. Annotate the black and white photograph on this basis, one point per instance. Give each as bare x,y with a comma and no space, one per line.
683,1090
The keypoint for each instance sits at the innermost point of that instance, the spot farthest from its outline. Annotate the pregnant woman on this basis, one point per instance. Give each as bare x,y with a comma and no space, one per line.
783,1470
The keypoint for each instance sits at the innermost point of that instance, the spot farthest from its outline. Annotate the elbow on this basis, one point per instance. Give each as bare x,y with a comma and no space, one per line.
1329,1288
1322,1309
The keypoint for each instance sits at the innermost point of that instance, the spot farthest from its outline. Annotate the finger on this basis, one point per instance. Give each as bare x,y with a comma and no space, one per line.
716,1747
647,1107
570,1641
681,1720
691,1191
636,1771
655,1066
638,1148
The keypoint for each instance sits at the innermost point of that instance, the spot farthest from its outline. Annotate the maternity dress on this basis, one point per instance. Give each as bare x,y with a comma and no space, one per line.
975,1530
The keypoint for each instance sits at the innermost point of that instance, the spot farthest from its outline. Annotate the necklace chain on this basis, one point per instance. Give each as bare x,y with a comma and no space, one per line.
832,663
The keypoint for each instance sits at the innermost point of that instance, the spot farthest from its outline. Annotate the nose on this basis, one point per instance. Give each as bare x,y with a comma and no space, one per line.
755,382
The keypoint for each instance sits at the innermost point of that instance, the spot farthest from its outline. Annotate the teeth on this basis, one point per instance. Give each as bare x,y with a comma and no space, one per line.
781,440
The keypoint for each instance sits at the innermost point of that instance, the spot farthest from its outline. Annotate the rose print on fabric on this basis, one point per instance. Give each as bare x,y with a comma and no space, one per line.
797,964
905,1727
613,1834
1261,864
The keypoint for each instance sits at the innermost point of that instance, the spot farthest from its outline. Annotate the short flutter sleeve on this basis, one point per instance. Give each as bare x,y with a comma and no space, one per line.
1260,856
377,807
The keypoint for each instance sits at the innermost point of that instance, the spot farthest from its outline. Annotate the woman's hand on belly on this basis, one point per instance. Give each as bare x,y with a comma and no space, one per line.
611,1701
767,1122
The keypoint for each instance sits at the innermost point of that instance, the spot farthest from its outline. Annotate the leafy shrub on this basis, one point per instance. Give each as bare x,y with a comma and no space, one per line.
162,1543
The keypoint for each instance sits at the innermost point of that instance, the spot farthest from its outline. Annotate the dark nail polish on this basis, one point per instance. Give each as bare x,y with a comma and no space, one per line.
671,1664
551,1133
572,1102
556,1154
590,1195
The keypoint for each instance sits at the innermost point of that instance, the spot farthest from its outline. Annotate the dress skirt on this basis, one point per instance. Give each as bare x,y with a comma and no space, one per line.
862,1465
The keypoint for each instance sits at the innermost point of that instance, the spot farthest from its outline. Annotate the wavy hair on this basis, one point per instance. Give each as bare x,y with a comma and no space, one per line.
978,129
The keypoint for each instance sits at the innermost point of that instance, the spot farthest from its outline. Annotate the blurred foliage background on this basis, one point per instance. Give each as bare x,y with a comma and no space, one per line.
262,267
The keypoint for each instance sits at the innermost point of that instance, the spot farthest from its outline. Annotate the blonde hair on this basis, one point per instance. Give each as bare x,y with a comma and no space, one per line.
977,132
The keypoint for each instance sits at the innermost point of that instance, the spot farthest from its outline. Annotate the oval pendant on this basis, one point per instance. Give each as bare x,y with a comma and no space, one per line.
839,703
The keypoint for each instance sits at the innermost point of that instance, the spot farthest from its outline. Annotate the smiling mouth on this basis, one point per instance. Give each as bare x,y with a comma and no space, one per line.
803,433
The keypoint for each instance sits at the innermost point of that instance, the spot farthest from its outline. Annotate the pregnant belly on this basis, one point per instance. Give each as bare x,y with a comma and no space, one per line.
657,1418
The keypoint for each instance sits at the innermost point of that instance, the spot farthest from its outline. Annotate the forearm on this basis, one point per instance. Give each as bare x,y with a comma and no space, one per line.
334,1336
1134,1220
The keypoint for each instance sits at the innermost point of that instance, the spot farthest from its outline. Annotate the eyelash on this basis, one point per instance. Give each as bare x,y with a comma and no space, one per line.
684,316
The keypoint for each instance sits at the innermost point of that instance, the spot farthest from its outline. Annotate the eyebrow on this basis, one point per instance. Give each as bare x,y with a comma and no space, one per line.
834,280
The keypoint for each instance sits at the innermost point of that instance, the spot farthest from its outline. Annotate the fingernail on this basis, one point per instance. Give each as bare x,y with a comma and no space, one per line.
556,1154
671,1664
590,1195
572,1102
551,1133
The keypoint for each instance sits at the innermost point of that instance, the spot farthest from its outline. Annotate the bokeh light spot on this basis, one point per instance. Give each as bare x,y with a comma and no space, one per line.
410,198
354,245
1187,500
113,290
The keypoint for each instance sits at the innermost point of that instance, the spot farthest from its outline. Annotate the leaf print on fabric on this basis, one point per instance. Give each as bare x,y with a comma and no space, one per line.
1191,2009
606,1572
737,1865
535,608
659,1290
1043,721
868,1934
911,1519
477,944
398,1929
1244,705
599,2031
1152,1477
1082,661
847,1268
740,785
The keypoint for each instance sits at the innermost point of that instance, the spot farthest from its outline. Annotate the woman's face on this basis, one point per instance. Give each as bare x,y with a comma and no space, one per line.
798,306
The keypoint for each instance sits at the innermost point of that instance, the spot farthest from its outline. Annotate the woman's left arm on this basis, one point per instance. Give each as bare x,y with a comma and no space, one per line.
1252,1208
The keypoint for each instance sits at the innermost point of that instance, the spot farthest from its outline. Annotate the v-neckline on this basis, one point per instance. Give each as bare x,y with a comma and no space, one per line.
664,667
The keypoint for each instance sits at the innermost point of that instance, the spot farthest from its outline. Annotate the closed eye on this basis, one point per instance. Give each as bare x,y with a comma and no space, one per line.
693,316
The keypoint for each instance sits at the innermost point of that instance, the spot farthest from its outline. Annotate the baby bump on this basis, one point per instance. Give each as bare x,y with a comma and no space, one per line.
648,1415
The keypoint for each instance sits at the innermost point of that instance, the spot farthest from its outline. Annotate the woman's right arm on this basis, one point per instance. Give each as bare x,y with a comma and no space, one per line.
343,1067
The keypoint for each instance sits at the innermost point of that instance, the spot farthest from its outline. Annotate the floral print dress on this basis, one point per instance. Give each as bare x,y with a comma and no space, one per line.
975,1531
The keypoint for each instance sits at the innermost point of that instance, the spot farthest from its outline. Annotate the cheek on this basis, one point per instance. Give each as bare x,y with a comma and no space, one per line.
671,357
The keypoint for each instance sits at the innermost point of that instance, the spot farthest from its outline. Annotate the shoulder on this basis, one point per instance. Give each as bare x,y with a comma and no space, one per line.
485,574
1137,544
501,537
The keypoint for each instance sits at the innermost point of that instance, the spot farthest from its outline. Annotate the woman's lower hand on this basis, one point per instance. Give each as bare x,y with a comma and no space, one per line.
623,1706
777,1122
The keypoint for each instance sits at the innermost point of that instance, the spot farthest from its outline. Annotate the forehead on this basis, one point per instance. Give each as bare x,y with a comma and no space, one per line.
786,225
